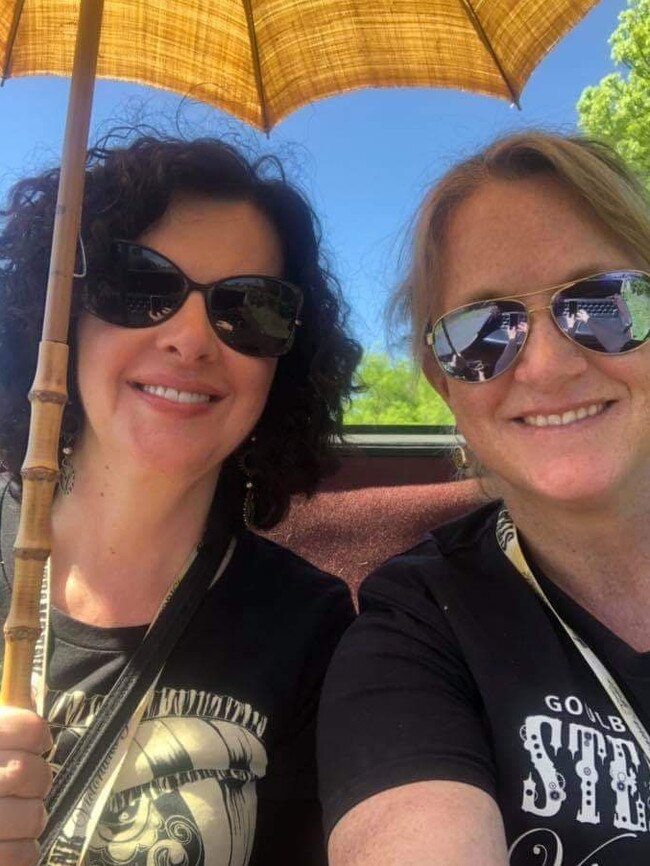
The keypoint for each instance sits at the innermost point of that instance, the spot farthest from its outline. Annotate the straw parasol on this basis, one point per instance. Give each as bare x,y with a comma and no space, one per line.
258,60
262,59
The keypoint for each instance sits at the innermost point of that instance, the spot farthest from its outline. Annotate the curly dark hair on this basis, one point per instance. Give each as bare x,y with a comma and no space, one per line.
127,189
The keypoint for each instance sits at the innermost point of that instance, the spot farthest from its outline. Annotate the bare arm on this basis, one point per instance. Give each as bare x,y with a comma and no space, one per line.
423,824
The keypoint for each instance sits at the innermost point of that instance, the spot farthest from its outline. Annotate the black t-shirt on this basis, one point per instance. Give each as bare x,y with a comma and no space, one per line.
221,771
455,670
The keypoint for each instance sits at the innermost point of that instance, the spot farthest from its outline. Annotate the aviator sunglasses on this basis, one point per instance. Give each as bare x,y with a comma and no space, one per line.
140,288
607,313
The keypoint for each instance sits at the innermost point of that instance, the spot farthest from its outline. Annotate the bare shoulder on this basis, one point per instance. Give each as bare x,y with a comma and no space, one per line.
422,824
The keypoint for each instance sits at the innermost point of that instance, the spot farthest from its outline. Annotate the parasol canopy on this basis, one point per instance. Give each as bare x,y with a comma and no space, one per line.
259,60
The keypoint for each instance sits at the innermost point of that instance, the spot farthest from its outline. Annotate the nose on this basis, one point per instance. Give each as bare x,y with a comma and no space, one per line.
189,334
548,359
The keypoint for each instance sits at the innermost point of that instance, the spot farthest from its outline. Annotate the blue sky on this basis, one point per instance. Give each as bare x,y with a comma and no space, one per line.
365,159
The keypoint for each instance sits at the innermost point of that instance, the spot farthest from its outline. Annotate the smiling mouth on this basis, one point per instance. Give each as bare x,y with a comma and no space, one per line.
572,416
174,395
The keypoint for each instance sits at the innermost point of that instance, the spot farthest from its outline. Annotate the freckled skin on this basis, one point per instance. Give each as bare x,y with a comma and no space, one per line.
512,237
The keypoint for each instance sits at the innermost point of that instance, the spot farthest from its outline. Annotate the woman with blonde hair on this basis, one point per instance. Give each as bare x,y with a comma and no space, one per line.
491,705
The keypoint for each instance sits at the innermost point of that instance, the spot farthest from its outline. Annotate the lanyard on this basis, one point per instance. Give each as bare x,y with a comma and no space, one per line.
508,540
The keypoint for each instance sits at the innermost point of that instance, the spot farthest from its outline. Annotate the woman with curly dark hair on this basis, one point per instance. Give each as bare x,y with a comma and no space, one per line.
209,367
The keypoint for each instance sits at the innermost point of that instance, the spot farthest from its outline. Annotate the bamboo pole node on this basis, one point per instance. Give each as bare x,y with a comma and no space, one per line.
48,397
39,473
38,554
24,632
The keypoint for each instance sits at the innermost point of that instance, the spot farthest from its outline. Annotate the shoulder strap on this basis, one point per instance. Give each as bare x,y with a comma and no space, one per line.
91,752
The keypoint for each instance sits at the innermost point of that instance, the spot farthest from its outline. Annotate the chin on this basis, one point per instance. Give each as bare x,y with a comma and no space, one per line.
181,462
593,488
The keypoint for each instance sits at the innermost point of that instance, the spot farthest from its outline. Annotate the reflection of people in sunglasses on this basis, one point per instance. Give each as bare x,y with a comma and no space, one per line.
516,335
475,368
612,332
158,311
468,357
458,362
182,429
486,707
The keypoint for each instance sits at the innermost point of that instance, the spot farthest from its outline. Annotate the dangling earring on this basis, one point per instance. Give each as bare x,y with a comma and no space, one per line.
248,511
460,458
66,470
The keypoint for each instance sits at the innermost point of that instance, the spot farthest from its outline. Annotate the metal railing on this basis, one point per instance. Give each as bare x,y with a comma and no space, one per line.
392,440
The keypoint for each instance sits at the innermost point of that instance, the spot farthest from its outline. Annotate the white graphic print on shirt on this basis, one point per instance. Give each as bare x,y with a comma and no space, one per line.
584,761
186,791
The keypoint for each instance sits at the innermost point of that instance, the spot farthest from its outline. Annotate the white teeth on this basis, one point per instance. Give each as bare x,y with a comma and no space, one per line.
175,396
569,417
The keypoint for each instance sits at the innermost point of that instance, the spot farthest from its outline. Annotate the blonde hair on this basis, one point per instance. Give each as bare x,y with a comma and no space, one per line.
590,169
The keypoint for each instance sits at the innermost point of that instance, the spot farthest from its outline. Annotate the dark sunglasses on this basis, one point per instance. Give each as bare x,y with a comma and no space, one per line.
140,288
607,313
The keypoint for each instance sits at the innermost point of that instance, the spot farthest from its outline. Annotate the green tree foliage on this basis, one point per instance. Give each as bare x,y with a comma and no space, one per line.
618,109
392,394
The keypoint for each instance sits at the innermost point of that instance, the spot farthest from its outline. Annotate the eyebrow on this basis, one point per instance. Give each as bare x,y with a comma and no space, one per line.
580,273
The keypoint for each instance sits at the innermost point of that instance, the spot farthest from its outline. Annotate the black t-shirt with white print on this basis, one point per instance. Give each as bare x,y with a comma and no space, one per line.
221,771
456,670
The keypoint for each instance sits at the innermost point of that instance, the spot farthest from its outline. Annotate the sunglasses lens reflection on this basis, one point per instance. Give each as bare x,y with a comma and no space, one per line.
138,289
609,314
254,315
481,340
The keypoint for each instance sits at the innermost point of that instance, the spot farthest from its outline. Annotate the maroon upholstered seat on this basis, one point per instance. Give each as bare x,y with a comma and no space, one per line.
351,532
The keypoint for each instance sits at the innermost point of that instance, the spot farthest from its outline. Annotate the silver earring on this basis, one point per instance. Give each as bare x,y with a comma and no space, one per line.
66,471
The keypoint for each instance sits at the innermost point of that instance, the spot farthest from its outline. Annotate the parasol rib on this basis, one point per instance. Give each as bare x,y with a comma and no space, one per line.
476,24
11,39
257,69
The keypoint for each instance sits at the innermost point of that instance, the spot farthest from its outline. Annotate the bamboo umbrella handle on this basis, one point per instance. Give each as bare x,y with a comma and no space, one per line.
48,395
32,548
